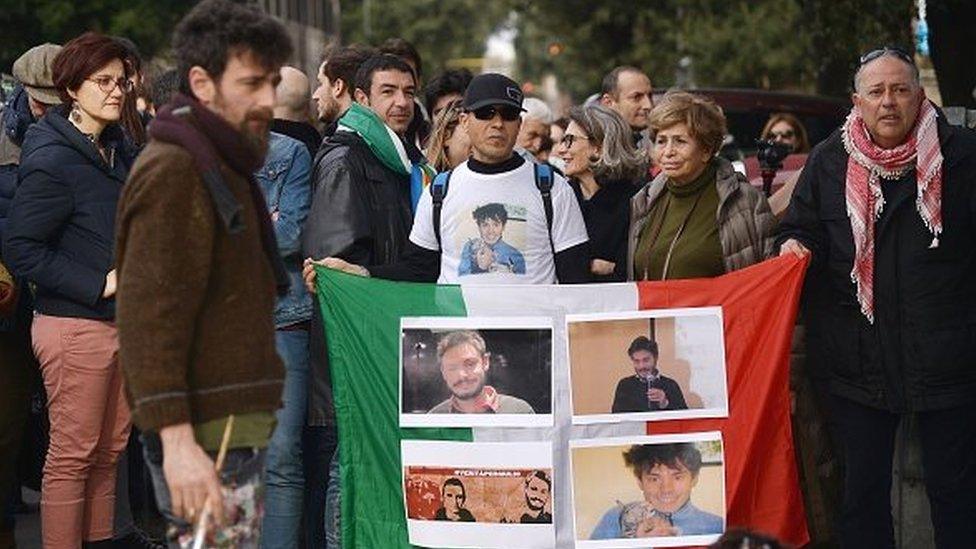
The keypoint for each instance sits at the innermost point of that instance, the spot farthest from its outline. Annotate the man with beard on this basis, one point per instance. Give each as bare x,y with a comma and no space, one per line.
537,489
198,266
337,81
464,361
647,390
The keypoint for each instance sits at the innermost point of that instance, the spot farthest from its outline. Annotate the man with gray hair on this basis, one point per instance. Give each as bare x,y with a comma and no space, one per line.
464,360
534,132
886,209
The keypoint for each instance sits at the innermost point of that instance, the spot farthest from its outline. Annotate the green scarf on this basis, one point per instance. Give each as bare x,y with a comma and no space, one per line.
385,144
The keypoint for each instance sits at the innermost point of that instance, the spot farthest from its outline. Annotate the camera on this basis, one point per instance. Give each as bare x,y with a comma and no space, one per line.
770,155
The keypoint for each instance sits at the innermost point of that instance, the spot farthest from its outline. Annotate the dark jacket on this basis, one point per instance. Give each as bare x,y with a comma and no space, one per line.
302,131
61,227
920,354
606,215
360,212
631,395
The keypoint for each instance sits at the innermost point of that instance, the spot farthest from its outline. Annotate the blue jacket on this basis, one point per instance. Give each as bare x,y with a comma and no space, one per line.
285,180
61,229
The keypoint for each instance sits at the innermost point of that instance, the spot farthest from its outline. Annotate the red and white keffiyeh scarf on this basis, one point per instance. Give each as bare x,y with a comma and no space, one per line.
866,166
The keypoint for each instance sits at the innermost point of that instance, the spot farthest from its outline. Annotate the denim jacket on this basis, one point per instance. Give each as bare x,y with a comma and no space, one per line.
285,181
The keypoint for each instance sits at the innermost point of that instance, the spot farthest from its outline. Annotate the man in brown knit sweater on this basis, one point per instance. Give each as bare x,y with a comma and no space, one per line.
198,270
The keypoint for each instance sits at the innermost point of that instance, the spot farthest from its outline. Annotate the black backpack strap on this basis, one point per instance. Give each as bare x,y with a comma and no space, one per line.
543,182
438,190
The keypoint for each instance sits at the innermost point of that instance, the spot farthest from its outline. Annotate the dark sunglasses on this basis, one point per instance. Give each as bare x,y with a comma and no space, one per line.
788,134
488,112
886,50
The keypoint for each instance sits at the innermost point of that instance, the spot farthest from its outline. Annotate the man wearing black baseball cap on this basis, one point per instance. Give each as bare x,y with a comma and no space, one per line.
543,225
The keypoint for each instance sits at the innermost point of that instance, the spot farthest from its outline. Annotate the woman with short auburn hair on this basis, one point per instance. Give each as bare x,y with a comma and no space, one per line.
698,218
60,236
604,169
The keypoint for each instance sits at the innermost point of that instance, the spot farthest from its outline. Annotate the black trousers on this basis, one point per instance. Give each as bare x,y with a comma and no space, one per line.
867,437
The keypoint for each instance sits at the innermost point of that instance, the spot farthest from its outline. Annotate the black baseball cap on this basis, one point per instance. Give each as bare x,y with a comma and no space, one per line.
492,89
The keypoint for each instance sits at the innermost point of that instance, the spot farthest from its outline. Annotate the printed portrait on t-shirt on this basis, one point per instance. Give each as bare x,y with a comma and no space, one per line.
493,240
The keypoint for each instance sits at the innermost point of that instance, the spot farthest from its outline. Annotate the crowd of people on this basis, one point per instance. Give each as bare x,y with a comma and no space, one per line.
159,237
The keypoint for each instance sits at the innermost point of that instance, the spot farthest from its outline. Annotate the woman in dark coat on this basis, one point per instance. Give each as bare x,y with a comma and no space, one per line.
60,237
604,169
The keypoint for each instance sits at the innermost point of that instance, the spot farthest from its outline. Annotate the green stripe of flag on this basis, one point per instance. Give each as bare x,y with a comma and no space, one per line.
362,320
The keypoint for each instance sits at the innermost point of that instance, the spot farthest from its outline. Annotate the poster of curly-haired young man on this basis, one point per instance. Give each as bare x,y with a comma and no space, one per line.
660,490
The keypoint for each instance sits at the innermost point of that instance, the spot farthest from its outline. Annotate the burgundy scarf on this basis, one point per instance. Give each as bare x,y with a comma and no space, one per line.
209,139
866,166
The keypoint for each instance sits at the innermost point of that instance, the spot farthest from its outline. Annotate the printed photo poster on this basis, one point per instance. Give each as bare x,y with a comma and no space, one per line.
651,365
494,240
659,490
476,372
468,494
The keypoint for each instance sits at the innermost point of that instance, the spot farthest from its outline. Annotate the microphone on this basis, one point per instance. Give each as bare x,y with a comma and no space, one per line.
651,405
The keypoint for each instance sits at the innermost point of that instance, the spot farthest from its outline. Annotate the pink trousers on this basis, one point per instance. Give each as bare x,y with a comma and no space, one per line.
89,427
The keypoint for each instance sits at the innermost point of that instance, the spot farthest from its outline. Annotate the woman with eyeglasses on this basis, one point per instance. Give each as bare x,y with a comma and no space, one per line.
698,218
603,167
60,237
785,128
448,145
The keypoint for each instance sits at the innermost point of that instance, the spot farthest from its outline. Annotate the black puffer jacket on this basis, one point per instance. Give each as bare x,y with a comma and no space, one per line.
61,228
920,354
360,212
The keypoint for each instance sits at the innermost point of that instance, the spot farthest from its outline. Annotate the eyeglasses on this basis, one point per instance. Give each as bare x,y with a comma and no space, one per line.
108,84
568,139
788,134
488,112
886,50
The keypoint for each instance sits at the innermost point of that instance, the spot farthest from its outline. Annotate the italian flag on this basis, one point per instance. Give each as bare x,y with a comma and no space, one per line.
362,323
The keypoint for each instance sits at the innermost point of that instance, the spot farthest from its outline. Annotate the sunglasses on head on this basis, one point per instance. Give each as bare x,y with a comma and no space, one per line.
886,50
488,112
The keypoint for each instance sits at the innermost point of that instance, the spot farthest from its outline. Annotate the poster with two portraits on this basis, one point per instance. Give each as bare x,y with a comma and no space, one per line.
622,369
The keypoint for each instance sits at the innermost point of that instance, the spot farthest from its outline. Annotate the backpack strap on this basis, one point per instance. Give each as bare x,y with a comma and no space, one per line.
438,190
543,182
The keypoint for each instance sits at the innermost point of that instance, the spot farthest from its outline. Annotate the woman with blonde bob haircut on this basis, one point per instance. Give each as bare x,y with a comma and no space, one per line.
604,169
698,218
448,146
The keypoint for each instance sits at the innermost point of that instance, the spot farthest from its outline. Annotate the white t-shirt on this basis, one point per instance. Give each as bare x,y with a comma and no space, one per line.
493,227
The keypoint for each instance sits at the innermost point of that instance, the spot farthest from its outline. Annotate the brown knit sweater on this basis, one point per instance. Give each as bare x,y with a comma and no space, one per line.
194,302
